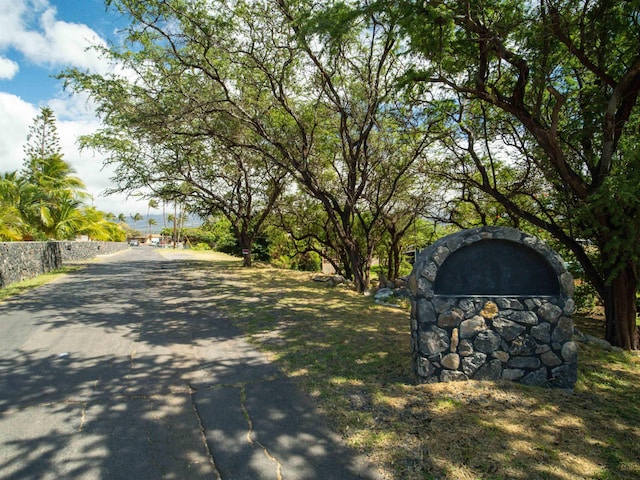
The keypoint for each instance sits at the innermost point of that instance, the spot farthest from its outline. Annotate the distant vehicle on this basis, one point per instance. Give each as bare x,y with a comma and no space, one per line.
134,243
155,242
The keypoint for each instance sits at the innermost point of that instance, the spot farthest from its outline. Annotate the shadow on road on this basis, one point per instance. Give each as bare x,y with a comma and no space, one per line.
124,370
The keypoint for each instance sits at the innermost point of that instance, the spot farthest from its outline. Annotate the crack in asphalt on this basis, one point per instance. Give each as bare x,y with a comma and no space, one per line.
252,442
203,434
82,416
245,414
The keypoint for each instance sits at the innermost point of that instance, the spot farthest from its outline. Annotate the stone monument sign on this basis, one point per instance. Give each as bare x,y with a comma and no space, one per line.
492,303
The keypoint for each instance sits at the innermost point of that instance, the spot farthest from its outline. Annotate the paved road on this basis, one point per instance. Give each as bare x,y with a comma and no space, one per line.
123,370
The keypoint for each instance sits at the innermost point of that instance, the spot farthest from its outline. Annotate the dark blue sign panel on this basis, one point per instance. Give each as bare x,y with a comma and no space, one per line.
496,267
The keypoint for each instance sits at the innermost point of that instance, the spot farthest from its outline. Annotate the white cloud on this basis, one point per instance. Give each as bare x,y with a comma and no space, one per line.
31,28
15,117
8,68
68,43
12,13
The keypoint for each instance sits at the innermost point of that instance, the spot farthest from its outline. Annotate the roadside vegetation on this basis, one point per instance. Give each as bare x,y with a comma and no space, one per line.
46,200
346,127
18,288
352,356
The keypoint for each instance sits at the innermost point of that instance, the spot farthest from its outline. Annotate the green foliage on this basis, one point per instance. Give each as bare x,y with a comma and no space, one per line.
431,26
543,119
236,101
45,200
285,252
221,235
611,215
524,113
282,261
585,297
42,144
309,262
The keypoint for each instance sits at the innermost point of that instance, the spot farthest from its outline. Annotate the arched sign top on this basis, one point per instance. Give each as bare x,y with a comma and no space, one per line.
496,267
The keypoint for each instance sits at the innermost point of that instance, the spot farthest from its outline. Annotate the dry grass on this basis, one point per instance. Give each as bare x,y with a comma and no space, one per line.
353,357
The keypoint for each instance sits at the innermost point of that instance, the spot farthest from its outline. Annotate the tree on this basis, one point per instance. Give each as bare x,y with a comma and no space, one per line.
198,172
45,200
336,128
12,225
305,223
244,189
219,229
554,85
51,194
153,203
397,223
174,233
42,143
96,226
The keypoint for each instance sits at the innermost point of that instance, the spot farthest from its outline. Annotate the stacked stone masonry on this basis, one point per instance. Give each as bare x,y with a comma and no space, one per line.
22,260
523,338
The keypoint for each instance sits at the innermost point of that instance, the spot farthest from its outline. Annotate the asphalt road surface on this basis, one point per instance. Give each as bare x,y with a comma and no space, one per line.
124,370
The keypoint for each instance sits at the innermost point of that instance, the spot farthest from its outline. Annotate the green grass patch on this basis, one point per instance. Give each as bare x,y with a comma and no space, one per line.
352,356
18,288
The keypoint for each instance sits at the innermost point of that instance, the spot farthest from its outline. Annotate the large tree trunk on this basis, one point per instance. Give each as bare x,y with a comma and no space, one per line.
395,259
245,245
360,280
246,258
358,267
390,265
620,309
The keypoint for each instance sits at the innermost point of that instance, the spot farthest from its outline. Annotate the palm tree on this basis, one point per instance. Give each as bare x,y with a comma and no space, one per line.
150,223
97,226
171,218
52,189
12,225
51,192
67,220
153,203
136,218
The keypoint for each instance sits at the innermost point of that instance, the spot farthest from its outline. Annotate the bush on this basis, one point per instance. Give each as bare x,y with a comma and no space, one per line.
201,246
585,296
309,262
283,261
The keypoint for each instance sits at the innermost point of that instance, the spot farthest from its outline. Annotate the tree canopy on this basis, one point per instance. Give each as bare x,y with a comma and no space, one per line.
519,113
228,100
544,119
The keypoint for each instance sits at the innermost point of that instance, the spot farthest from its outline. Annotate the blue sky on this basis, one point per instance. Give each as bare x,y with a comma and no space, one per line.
79,18
38,39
